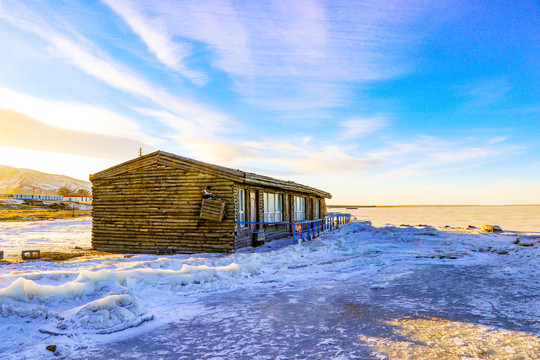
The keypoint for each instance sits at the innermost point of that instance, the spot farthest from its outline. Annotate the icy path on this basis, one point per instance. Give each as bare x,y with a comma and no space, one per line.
360,292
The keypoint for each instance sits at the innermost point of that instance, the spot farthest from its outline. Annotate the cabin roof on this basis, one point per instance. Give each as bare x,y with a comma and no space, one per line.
176,161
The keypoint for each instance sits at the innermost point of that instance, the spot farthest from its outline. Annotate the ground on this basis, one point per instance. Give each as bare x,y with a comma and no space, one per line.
17,210
361,292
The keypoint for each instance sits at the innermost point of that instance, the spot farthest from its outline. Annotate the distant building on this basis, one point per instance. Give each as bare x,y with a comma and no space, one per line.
36,197
78,198
162,202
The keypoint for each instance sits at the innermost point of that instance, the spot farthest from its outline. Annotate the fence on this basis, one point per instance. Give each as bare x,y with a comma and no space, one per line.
302,230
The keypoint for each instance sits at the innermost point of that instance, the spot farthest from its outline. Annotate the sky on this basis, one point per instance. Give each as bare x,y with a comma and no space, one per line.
376,102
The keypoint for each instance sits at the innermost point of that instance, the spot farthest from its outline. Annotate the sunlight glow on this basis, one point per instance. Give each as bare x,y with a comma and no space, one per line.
439,338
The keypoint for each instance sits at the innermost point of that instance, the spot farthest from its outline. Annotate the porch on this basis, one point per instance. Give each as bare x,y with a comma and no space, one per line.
300,230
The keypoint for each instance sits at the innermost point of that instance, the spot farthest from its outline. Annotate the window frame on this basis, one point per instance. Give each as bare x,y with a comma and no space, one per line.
242,207
272,207
317,211
299,208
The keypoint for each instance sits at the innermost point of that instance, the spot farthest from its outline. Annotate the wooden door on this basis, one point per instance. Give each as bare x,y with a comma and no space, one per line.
253,209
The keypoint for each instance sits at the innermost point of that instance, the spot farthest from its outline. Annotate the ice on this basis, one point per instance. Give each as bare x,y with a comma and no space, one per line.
109,314
82,301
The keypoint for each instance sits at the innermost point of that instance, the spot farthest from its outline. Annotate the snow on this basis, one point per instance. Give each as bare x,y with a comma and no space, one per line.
359,292
12,201
45,235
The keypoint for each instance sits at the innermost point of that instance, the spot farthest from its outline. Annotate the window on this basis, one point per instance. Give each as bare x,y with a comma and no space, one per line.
317,208
242,206
273,207
299,208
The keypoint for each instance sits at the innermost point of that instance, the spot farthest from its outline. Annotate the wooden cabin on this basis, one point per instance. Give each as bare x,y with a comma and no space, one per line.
154,204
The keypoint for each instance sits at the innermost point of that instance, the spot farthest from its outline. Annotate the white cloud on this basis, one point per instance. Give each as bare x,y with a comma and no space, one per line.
358,127
427,155
154,34
86,56
487,91
74,116
296,55
497,140
274,157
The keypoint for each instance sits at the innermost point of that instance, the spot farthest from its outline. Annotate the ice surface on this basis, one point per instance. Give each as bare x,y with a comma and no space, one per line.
83,303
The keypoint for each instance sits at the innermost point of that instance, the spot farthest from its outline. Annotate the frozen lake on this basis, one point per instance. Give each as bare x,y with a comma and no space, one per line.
519,218
460,311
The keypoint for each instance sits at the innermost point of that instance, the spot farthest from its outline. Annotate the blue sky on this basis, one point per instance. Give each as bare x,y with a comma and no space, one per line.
397,102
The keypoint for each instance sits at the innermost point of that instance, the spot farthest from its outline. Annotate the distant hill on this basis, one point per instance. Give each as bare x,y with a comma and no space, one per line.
26,180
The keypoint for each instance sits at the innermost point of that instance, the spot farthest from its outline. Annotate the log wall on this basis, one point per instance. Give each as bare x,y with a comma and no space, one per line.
156,209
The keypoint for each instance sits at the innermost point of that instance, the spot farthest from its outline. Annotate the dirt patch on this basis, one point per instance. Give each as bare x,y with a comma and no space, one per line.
52,210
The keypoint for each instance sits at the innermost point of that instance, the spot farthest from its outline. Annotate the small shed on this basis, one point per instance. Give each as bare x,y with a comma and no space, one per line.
165,203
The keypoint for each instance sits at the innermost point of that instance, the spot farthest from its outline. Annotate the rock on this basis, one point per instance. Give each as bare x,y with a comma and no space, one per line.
471,227
491,228
502,252
524,242
51,348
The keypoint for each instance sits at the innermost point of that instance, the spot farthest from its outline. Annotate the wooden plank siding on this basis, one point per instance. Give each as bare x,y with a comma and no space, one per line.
156,209
152,204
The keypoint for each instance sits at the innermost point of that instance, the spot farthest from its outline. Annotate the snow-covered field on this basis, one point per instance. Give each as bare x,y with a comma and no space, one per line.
45,235
360,292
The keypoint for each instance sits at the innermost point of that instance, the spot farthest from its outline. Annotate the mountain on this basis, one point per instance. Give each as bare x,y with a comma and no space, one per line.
14,180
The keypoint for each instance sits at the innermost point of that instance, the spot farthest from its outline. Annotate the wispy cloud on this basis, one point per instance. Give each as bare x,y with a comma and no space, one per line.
423,155
299,55
486,91
279,156
426,154
497,140
86,56
172,53
358,127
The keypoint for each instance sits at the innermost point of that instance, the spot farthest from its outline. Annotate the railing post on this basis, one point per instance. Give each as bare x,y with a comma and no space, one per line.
294,233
